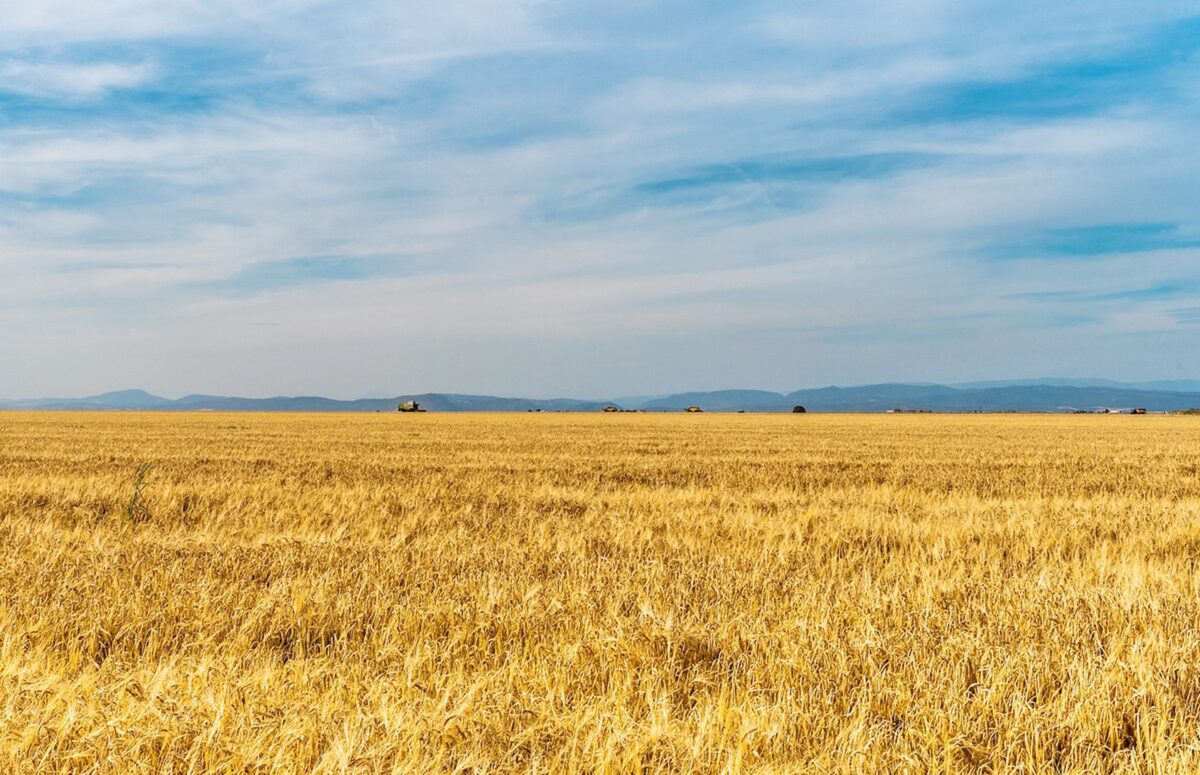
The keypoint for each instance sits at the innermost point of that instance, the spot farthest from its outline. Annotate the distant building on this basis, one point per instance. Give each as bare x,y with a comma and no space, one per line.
693,410
610,409
409,406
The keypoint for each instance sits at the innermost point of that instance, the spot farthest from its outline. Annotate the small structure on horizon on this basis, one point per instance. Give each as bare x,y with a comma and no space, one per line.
409,406
610,409
693,410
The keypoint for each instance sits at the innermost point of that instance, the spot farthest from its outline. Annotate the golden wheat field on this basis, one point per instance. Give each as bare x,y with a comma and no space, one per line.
598,593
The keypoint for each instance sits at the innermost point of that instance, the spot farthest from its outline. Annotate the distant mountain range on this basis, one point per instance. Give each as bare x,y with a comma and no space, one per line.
1040,395
1170,385
434,402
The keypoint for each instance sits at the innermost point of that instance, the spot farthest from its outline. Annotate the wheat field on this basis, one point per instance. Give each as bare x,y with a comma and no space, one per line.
598,593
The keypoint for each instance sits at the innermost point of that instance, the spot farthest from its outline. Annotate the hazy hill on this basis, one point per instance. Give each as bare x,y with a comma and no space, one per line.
985,397
1017,398
120,399
720,401
435,402
1170,385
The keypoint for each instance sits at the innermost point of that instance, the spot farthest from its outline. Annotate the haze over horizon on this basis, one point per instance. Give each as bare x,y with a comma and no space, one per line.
877,396
554,199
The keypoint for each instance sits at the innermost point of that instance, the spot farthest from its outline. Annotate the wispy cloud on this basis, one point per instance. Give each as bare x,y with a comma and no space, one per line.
1098,241
761,171
71,80
1151,292
1188,316
274,275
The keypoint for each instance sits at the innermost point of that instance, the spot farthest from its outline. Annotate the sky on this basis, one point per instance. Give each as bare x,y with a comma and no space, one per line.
373,198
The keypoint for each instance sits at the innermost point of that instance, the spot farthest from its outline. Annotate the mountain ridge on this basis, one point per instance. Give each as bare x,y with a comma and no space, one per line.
1046,395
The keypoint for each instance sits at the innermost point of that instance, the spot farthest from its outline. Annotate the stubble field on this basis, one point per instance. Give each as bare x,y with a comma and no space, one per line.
598,593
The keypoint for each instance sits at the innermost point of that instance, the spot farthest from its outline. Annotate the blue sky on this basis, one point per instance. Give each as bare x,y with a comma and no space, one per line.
565,198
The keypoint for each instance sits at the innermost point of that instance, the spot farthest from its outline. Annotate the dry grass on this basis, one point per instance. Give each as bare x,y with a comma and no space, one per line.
599,593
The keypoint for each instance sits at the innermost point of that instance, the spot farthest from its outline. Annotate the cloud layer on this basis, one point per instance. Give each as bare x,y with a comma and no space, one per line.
542,198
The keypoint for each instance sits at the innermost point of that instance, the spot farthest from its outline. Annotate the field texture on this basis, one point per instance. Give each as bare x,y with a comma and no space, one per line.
600,593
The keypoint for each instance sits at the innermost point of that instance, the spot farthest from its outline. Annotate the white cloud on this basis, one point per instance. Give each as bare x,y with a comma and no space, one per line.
73,81
341,52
